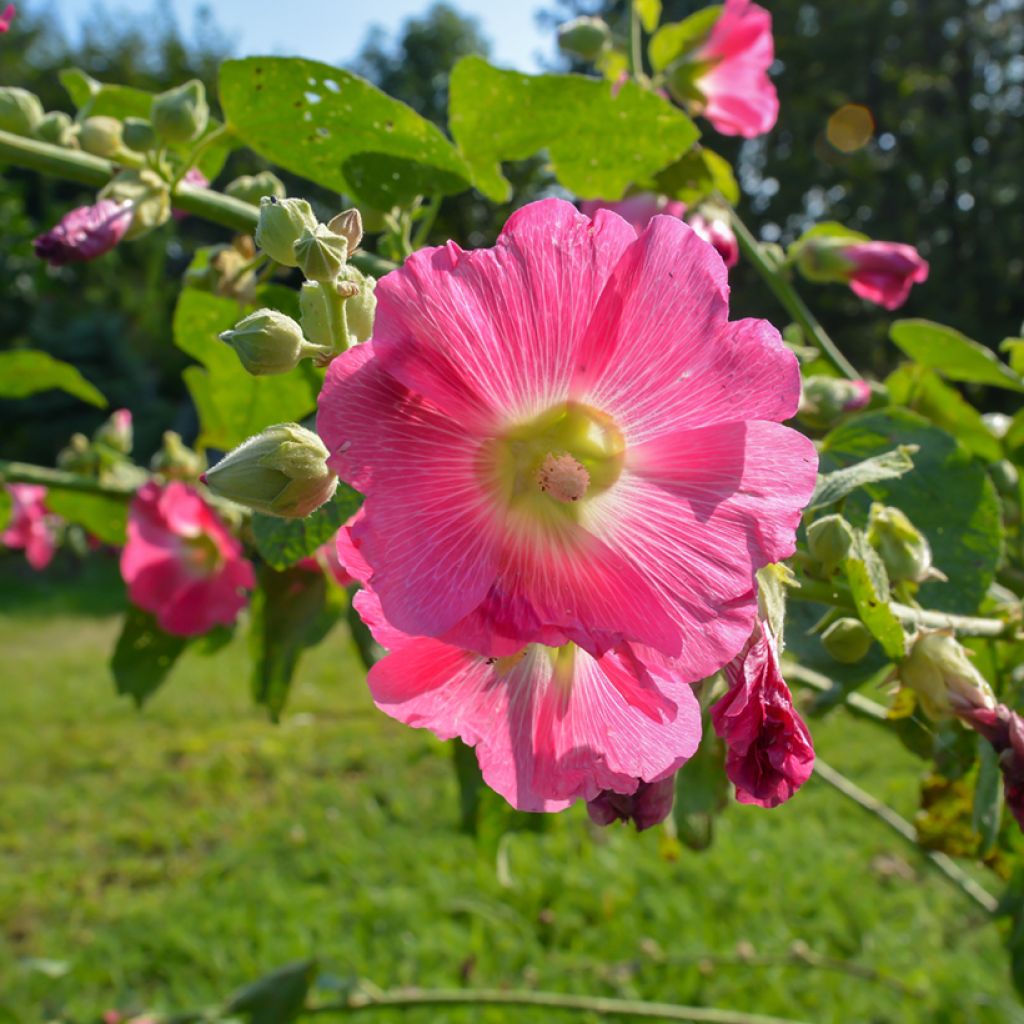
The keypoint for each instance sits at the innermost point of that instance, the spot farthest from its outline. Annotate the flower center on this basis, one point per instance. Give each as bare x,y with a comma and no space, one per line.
562,477
201,555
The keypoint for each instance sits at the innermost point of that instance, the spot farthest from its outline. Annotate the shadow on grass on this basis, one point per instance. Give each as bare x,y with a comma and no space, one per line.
89,587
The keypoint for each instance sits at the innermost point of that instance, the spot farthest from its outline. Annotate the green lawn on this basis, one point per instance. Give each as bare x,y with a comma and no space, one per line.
169,856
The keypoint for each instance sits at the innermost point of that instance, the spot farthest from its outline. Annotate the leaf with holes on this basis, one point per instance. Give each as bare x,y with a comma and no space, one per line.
25,372
144,655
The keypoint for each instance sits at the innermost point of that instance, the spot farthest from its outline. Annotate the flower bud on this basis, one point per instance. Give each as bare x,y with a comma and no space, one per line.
78,456
282,222
181,114
348,224
650,805
282,471
58,129
321,253
116,432
149,196
20,110
100,136
942,676
360,308
847,640
824,399
269,342
584,37
138,135
251,188
317,303
175,460
904,549
829,540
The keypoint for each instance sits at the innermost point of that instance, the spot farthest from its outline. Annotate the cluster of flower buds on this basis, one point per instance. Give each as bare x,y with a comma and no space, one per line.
176,461
107,450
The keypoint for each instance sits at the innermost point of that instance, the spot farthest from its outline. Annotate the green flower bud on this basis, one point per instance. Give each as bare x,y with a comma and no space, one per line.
821,257
584,37
20,110
175,460
360,308
904,549
282,222
942,676
100,136
181,114
268,342
78,456
847,640
320,309
824,399
348,224
116,432
829,540
251,188
148,194
138,134
282,471
321,253
58,129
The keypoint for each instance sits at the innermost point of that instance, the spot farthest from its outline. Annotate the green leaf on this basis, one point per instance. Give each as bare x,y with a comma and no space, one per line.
675,39
291,610
923,391
232,404
1015,346
649,12
144,655
952,354
338,130
987,813
697,175
869,587
105,517
833,487
25,371
283,542
6,507
702,792
948,496
599,143
276,998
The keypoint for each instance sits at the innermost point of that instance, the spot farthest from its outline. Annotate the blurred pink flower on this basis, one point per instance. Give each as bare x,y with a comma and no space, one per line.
550,725
196,178
861,397
181,563
716,231
31,527
7,17
650,805
637,210
564,439
325,559
884,272
770,755
740,98
85,233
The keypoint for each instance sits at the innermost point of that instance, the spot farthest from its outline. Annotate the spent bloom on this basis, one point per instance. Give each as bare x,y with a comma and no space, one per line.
85,233
181,563
650,805
564,440
714,228
7,17
637,210
31,527
884,272
770,755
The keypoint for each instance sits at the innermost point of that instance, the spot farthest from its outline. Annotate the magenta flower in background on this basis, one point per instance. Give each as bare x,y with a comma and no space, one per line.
650,805
739,97
181,563
716,231
7,17
563,439
31,527
85,233
884,272
637,210
770,754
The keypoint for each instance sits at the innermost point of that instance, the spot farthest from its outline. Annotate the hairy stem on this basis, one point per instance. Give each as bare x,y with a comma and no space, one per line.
58,479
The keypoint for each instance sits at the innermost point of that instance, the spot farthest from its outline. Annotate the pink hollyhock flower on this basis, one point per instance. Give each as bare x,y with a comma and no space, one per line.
650,805
884,272
7,17
564,439
739,97
637,210
181,563
716,231
31,527
770,754
85,233
195,178
550,725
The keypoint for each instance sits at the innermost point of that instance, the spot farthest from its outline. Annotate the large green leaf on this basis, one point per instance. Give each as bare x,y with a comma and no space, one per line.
699,174
232,404
276,998
25,371
599,140
283,542
952,354
338,130
105,517
144,655
833,487
948,496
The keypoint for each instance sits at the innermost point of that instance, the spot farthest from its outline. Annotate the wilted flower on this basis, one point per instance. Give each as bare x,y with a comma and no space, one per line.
940,672
181,563
650,805
637,210
1004,729
31,527
85,233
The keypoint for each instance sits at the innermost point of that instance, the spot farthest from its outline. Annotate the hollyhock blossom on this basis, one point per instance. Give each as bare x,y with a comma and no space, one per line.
716,231
85,233
770,755
884,272
739,97
564,439
550,725
181,563
31,527
7,17
637,210
650,805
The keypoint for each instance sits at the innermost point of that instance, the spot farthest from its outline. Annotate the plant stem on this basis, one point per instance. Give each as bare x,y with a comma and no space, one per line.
789,299
58,479
367,1000
902,827
427,218
201,147
635,54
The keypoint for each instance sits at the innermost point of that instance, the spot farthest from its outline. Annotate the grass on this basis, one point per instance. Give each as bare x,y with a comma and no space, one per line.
167,857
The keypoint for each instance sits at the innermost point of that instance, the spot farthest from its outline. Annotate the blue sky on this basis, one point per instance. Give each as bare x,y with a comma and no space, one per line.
333,30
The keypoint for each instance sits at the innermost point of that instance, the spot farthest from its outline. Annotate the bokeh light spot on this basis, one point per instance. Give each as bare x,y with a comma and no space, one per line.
850,127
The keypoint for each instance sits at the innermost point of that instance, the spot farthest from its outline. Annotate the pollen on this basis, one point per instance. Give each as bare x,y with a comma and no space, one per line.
562,477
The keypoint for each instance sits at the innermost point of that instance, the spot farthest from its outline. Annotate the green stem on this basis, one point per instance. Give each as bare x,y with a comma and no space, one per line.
368,1000
635,54
201,147
58,479
789,299
429,215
